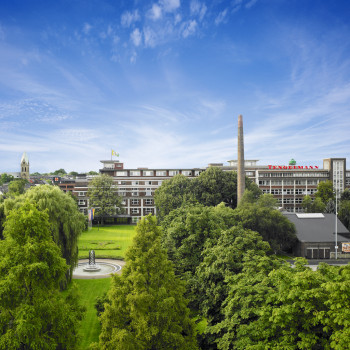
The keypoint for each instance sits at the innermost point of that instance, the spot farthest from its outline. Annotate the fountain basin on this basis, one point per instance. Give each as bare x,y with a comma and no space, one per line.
102,269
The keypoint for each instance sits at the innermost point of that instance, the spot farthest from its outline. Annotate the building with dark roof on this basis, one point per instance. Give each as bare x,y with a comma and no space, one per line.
316,236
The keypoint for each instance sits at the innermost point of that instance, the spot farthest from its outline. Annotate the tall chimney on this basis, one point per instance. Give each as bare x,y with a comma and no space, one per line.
240,163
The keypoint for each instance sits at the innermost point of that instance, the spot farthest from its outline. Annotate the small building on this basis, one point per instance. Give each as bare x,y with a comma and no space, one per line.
316,236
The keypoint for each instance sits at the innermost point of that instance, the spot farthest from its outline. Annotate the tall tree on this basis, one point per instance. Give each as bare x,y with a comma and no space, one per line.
262,217
210,188
17,187
172,194
325,191
34,314
103,196
5,178
146,308
66,222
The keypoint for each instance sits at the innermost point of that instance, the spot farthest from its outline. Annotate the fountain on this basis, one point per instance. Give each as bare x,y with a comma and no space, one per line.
92,270
92,266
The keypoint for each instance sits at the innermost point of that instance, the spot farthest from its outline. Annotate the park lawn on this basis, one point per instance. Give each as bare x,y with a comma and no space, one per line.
90,326
107,242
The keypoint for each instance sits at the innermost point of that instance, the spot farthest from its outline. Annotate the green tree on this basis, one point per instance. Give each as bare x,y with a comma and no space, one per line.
187,230
210,188
345,196
59,172
73,173
146,308
34,314
269,222
92,172
103,196
5,178
279,307
17,187
307,204
172,194
325,191
220,261
66,222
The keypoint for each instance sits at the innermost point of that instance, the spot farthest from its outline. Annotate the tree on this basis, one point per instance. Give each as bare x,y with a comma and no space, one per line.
222,260
210,188
59,172
307,204
189,228
325,191
73,173
5,178
66,222
103,196
269,222
92,172
280,307
34,313
17,187
146,308
172,194
345,196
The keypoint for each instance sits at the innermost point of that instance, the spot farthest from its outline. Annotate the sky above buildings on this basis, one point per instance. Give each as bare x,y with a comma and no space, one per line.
163,82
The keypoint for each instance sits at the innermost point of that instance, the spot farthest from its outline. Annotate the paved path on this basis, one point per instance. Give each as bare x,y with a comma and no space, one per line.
121,263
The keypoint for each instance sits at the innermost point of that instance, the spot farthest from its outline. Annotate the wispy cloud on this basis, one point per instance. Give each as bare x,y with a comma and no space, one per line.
130,17
136,37
189,28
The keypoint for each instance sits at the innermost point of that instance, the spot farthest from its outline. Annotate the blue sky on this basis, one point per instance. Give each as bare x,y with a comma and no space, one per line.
163,82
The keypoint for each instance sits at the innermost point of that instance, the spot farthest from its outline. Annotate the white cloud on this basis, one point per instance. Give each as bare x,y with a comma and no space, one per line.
155,12
170,5
221,17
250,4
150,37
189,28
86,29
198,9
129,17
178,18
136,37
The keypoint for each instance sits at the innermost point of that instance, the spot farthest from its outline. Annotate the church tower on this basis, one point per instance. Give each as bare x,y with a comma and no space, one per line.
25,166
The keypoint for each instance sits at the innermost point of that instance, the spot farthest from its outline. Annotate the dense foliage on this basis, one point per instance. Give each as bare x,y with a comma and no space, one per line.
146,308
66,222
34,314
210,188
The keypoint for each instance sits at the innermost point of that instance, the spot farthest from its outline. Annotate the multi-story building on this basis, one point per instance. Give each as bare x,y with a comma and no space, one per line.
288,183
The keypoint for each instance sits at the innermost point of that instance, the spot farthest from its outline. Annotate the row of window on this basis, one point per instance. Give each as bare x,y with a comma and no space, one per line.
290,191
287,182
156,172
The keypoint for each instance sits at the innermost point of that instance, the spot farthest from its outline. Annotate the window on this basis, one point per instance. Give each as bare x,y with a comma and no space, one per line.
135,173
121,182
134,192
121,173
149,201
134,183
161,173
300,191
148,173
134,210
187,172
81,194
276,191
81,202
288,191
148,211
148,183
173,172
197,172
148,192
249,173
135,202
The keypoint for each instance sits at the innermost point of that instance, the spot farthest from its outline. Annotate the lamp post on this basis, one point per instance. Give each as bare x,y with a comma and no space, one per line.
336,223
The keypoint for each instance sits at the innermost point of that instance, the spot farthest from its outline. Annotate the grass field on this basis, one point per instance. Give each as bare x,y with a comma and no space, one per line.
90,325
107,242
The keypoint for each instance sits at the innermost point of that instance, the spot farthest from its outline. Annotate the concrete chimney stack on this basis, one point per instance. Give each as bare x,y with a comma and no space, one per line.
240,163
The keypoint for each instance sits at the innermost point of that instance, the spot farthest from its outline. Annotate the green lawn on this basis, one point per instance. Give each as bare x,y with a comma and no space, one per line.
90,325
107,242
